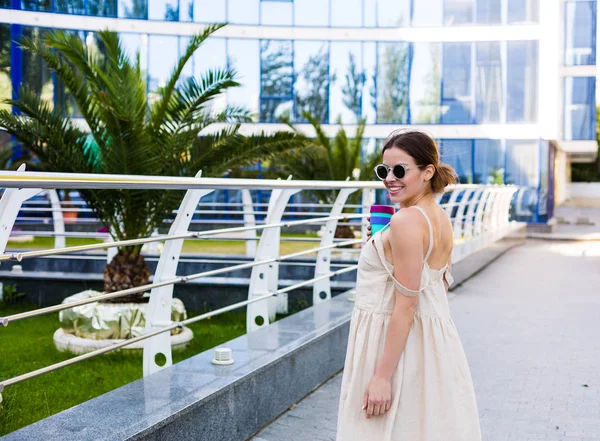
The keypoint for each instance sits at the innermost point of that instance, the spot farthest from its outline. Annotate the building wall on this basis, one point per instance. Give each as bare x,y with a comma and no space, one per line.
466,71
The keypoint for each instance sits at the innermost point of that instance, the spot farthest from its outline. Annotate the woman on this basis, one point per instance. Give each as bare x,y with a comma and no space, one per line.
406,376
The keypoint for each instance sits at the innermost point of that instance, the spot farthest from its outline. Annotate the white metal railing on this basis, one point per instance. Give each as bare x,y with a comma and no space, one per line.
479,214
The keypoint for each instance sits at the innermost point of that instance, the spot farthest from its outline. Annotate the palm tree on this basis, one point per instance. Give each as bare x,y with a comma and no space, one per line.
128,134
329,159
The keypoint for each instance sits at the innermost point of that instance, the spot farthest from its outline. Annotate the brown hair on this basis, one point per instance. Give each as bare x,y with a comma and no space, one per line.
425,152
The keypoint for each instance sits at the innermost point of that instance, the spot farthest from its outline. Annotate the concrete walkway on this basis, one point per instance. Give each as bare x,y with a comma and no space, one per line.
530,325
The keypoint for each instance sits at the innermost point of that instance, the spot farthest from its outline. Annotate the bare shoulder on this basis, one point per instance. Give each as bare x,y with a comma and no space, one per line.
407,224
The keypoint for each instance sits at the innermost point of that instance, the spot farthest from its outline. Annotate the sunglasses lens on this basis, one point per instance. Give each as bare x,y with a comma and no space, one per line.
381,172
399,171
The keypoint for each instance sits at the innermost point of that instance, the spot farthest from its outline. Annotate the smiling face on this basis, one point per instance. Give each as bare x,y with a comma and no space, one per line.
415,183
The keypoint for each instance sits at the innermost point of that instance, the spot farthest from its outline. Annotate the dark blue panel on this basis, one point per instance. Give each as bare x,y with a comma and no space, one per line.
580,33
580,108
457,99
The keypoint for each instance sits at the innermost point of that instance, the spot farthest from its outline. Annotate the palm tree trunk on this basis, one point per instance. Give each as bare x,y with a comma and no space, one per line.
128,269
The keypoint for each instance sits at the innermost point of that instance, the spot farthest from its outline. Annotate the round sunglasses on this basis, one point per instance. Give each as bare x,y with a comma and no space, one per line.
399,170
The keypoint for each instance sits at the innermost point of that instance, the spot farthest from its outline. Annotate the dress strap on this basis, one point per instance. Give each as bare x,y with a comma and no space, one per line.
430,232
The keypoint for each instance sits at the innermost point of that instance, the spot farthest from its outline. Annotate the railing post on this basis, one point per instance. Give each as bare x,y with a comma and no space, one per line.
368,196
249,221
57,219
10,205
265,278
322,288
158,314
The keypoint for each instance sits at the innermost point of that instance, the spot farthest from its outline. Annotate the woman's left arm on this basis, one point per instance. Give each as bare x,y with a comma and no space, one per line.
406,239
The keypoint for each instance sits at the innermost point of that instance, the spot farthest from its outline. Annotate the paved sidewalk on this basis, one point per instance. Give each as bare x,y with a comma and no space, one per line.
530,325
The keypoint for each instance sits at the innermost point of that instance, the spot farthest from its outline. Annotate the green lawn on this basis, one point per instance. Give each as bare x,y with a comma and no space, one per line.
189,246
27,345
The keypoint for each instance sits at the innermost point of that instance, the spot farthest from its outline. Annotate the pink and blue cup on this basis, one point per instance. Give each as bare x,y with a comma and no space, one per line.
381,215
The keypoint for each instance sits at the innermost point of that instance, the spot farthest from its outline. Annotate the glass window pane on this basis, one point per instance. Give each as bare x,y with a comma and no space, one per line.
212,54
489,12
163,51
311,13
210,11
522,81
370,95
167,10
36,75
457,97
133,9
346,95
425,83
393,13
102,8
459,154
489,86
427,13
244,57
71,6
580,108
188,69
458,12
522,162
30,5
523,11
580,33
186,10
370,13
489,162
276,13
276,79
346,13
134,43
392,83
311,88
243,11
5,81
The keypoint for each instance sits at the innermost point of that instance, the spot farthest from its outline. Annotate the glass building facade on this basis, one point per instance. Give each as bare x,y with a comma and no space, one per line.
342,61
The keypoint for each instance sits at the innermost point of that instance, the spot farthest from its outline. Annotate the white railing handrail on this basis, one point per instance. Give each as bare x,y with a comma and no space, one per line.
480,215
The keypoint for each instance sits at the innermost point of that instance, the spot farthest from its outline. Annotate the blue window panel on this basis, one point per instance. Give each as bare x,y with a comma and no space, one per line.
580,33
167,10
523,11
369,107
522,82
489,162
392,82
276,79
490,85
134,44
457,96
580,108
163,54
276,13
346,13
210,11
393,13
5,78
133,9
489,12
30,5
459,154
428,13
102,8
311,13
370,13
458,12
244,56
4,3
243,11
522,162
348,89
212,54
186,10
70,6
312,80
425,83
